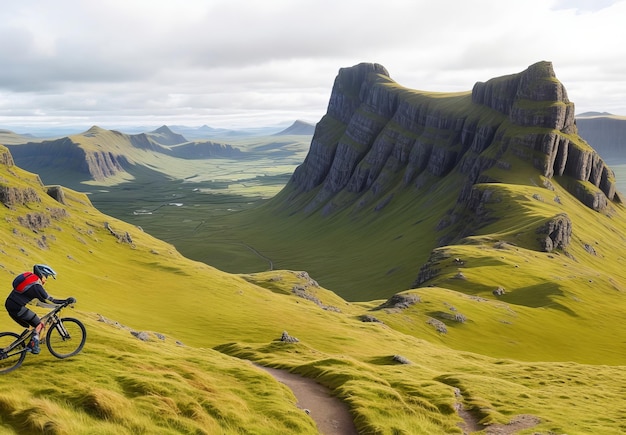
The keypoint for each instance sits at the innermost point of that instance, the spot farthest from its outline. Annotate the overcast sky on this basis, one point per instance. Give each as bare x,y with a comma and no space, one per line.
238,63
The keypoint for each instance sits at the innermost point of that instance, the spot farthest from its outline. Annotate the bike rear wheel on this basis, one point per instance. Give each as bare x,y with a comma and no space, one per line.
66,338
12,359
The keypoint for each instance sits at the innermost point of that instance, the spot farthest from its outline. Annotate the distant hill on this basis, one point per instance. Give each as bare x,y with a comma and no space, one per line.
605,132
7,137
589,114
99,154
298,128
206,132
165,136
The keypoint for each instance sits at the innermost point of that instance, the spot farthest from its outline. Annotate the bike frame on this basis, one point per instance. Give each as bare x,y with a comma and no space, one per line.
48,319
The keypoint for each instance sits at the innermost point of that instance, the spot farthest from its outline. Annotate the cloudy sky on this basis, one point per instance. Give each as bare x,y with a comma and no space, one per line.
238,63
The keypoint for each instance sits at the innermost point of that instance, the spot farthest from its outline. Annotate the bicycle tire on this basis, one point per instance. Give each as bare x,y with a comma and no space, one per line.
15,358
66,338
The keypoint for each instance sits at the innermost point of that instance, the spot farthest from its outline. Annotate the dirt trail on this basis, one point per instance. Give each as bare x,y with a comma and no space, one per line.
332,417
329,413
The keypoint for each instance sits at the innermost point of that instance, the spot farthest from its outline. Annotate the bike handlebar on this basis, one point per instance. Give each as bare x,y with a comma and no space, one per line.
55,309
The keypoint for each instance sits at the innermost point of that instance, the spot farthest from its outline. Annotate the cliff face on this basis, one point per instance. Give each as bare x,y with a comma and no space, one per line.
98,154
376,132
67,155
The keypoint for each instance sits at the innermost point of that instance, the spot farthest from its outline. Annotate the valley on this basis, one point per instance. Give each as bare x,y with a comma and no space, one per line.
420,255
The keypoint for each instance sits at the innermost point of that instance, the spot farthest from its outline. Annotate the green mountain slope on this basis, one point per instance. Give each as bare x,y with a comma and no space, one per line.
110,157
522,226
175,383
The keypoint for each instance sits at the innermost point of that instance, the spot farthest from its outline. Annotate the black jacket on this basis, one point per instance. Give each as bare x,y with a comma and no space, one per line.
15,301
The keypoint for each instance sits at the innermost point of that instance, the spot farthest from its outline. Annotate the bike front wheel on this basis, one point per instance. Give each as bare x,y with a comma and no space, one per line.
66,337
10,359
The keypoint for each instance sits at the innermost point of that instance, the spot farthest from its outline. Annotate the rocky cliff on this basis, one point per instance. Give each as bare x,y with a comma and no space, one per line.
68,156
98,154
377,133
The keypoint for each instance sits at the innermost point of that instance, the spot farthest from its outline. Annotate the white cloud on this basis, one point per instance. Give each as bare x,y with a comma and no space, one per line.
246,62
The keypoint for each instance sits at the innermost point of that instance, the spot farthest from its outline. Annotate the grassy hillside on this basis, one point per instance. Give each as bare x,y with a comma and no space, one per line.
560,297
196,377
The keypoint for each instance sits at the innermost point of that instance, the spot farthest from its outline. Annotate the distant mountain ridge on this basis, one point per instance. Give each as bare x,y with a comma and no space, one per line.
607,133
165,136
98,154
299,128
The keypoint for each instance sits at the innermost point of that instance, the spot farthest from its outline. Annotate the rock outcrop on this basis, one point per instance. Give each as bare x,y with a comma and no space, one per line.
376,132
6,158
67,155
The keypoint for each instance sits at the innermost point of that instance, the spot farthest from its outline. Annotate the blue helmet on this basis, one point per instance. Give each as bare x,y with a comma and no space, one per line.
42,270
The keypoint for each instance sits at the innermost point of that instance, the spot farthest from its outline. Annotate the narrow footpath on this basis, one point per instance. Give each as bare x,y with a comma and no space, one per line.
330,414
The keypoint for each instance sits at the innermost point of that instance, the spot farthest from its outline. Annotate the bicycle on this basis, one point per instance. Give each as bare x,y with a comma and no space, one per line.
65,338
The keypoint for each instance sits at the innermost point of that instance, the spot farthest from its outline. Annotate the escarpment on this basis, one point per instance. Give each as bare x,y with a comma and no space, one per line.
378,137
6,158
68,156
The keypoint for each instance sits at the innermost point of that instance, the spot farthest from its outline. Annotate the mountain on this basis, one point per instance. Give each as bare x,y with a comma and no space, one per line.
396,177
416,136
299,128
206,132
9,137
606,132
165,136
504,336
99,154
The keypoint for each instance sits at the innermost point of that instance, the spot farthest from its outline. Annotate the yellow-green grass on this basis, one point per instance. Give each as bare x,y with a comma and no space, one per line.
420,397
119,384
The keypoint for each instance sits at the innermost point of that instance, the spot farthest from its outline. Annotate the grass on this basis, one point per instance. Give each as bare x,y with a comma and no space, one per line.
119,384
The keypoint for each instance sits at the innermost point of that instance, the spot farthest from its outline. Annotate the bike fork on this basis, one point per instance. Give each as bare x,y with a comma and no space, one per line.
62,331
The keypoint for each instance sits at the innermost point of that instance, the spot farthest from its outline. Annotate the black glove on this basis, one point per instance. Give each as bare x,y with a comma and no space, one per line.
70,300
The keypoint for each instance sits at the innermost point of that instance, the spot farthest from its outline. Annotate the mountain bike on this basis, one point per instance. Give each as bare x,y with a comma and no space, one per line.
65,338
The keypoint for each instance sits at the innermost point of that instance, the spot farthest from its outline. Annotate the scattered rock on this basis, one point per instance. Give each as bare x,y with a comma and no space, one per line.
439,325
400,359
56,192
590,249
286,338
143,336
557,233
499,291
369,318
400,300
122,238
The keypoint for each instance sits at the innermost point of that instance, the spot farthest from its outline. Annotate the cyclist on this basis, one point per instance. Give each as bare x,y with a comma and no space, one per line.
26,287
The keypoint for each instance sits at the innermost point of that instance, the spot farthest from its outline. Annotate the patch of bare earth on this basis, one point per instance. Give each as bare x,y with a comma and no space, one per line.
330,414
517,423
471,424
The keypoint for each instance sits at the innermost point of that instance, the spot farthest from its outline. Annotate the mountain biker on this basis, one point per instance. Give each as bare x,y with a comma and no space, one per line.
31,287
